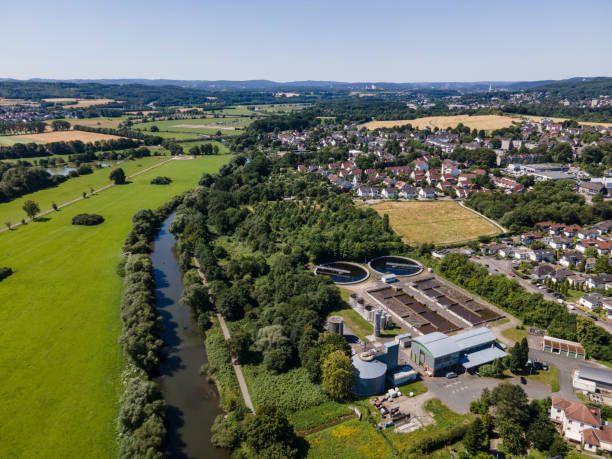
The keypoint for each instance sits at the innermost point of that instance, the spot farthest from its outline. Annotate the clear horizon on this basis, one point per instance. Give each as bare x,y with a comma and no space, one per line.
320,41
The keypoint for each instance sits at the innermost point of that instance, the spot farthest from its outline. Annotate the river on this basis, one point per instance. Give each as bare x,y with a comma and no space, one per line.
193,403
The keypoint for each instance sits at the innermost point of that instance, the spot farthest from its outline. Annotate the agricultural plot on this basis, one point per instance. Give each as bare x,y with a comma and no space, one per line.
56,136
100,122
71,102
197,126
60,363
486,122
437,222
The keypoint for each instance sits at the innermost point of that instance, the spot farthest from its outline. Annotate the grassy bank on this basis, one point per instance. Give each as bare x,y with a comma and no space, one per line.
60,363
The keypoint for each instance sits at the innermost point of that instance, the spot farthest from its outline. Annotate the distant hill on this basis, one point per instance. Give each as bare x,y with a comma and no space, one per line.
253,85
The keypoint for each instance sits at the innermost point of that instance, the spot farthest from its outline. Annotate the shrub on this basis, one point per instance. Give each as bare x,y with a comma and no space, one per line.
159,180
84,170
5,272
87,219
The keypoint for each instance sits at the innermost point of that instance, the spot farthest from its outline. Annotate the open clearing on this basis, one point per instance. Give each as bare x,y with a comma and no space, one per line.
486,122
60,363
204,126
56,136
437,222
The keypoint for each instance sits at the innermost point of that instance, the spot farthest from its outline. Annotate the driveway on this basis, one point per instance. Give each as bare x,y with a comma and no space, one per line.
459,392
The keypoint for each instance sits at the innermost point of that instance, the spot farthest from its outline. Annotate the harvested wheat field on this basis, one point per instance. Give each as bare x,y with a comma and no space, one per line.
437,222
64,136
486,122
79,103
9,102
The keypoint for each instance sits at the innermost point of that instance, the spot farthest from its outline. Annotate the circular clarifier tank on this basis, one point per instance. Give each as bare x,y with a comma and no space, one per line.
400,266
343,272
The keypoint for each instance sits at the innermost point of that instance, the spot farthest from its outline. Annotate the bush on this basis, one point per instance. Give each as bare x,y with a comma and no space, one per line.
87,219
5,272
159,180
84,170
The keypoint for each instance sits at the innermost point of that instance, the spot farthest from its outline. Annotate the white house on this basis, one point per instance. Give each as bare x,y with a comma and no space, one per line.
592,300
574,418
427,193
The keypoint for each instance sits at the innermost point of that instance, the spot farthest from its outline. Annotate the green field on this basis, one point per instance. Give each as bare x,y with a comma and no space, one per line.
60,363
195,125
9,140
72,188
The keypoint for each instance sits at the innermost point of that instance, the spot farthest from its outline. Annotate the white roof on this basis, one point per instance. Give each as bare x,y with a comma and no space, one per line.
440,344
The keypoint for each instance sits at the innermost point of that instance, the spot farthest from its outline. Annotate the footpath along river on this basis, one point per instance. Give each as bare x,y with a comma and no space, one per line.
193,403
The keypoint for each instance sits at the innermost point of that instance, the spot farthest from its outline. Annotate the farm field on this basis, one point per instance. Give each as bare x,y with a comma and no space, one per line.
60,364
486,122
8,102
437,222
227,125
72,102
56,136
95,122
72,188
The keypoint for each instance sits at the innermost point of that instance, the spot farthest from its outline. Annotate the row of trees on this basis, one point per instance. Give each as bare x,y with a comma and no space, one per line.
17,180
34,150
142,412
22,127
548,201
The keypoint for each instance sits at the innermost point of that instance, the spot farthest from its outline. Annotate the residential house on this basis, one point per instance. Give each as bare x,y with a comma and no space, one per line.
591,188
560,242
427,193
528,238
506,252
492,249
577,280
408,192
588,233
581,424
571,259
542,271
590,263
592,300
560,275
521,253
420,165
603,280
584,244
602,227
603,247
541,255
389,192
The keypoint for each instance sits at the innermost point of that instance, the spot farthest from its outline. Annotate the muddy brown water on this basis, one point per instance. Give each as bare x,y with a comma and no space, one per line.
192,403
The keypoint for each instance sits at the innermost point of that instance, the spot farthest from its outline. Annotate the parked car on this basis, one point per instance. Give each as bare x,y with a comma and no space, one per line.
451,375
544,366
511,274
523,380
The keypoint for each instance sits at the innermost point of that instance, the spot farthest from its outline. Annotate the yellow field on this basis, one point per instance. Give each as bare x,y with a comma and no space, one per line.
79,103
7,102
65,136
486,122
438,222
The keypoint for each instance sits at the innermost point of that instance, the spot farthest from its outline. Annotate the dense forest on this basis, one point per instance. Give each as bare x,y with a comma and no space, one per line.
548,201
276,223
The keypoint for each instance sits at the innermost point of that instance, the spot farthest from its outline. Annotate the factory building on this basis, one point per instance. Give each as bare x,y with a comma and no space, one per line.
438,353
593,380
375,366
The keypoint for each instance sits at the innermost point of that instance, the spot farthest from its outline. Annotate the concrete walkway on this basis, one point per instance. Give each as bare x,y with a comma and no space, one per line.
105,187
226,333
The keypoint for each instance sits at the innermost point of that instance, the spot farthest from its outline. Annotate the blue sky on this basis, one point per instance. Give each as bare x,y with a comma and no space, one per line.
402,41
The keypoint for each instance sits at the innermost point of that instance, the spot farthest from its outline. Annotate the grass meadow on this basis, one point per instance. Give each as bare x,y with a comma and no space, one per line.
438,222
209,126
60,362
72,188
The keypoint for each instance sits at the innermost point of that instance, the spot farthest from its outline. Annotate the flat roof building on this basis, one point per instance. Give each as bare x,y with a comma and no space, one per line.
593,379
438,353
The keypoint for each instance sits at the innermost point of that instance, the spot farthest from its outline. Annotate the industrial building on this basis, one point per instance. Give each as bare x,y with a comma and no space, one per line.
373,367
563,347
438,353
593,380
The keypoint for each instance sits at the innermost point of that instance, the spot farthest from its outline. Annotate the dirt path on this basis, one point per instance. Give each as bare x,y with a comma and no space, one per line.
226,333
105,187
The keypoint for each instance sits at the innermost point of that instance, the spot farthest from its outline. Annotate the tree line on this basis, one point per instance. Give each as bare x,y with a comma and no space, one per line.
33,150
22,127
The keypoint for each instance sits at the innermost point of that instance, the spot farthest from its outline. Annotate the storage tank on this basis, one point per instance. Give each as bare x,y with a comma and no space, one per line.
335,324
377,321
352,298
369,375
